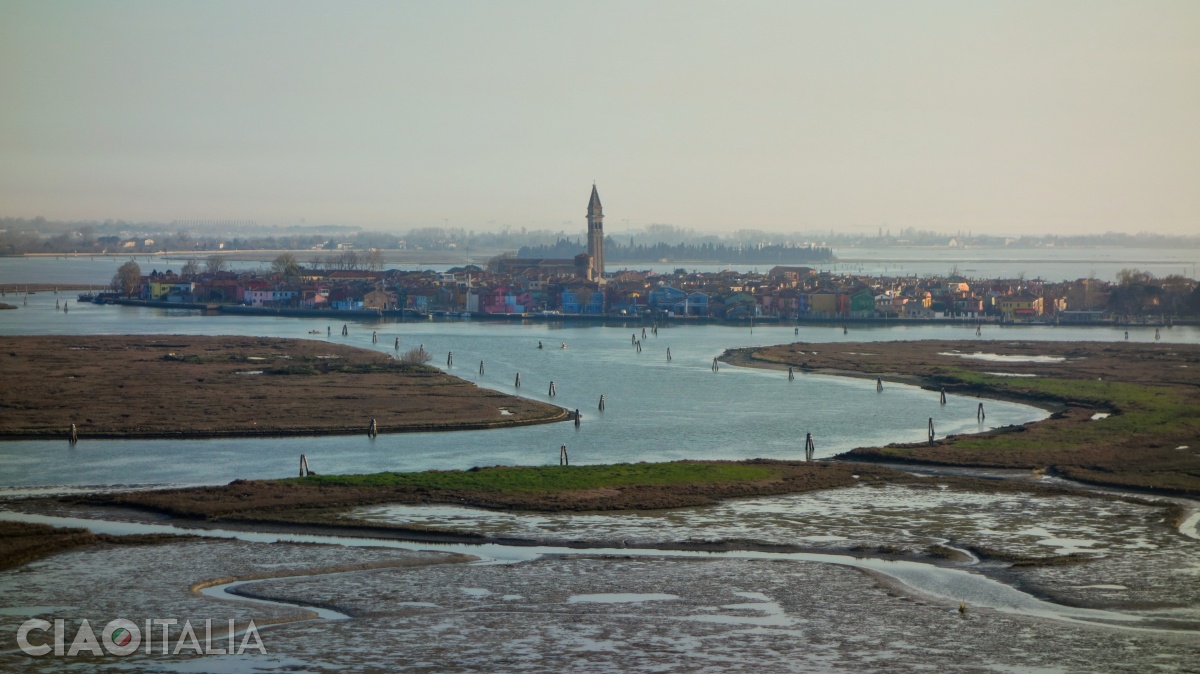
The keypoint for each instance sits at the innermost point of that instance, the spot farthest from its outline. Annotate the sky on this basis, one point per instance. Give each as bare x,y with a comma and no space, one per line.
1013,117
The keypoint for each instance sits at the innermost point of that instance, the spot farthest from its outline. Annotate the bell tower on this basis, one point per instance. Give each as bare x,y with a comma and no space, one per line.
595,220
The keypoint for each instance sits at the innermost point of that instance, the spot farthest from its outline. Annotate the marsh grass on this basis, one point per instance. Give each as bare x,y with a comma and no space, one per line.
1151,440
555,478
1138,409
23,542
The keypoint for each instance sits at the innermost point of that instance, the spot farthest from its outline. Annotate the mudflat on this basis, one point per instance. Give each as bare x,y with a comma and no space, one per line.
1126,415
165,386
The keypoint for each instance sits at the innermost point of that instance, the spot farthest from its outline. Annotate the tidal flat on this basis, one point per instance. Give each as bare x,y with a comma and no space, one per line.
577,613
1092,550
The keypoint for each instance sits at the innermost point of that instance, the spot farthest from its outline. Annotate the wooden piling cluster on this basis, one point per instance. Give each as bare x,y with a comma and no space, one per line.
73,435
304,471
932,432
373,429
791,374
810,448
980,415
563,459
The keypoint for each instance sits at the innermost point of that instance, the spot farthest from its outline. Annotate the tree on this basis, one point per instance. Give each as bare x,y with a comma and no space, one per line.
191,268
1130,277
127,278
374,261
417,356
215,264
285,265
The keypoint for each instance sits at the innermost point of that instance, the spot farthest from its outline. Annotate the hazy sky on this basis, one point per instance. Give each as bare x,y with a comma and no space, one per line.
1024,117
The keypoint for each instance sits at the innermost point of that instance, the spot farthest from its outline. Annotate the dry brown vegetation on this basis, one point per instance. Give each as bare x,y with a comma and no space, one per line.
1151,391
22,542
9,289
190,386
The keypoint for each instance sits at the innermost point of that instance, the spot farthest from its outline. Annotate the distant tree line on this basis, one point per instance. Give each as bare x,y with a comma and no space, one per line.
767,253
39,235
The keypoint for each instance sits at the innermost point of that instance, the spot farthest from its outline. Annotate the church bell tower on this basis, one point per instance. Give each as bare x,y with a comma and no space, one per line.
595,220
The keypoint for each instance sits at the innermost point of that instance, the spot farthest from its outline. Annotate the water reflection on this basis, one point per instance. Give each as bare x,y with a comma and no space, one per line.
655,410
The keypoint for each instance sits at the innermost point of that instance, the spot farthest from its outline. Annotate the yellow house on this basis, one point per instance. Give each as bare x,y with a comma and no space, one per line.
1020,306
160,289
824,303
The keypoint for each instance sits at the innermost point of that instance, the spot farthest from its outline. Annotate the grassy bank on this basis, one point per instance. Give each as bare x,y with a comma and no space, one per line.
1149,440
552,479
542,488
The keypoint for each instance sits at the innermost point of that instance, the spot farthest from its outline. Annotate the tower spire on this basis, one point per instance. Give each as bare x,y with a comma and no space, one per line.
595,220
594,207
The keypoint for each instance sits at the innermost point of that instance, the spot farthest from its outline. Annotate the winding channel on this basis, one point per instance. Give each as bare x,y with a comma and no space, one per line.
948,584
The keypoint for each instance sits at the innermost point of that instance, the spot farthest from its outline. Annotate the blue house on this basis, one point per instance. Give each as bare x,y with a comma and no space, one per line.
695,304
570,303
666,297
595,304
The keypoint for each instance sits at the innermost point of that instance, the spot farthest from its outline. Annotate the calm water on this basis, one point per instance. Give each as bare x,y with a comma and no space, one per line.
655,410
1051,264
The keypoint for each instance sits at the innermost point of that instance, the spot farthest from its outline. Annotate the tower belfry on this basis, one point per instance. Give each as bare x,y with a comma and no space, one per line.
595,220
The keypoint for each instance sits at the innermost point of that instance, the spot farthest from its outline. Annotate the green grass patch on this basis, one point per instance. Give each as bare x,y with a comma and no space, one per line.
555,478
1137,409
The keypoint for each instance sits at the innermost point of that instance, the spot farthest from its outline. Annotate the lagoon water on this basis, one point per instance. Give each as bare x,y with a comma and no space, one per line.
1050,264
655,410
